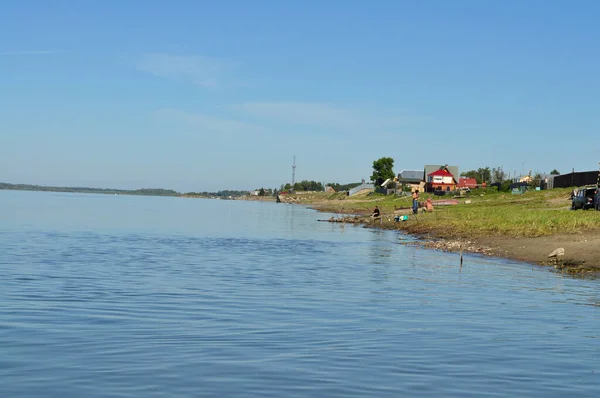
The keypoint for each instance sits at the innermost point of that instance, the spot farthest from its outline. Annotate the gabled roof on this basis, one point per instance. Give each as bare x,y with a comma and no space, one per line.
430,168
410,175
442,172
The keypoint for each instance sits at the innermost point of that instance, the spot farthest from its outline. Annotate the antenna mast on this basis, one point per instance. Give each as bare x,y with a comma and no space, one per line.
294,173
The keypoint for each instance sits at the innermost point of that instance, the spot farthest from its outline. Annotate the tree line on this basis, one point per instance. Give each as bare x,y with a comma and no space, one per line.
143,191
314,186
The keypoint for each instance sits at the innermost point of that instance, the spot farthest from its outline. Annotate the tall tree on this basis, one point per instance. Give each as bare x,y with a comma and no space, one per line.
383,168
555,172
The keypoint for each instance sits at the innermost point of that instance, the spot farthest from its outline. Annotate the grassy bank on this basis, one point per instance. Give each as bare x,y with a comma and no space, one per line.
534,213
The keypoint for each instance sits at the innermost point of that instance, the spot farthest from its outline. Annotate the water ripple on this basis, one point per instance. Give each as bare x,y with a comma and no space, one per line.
313,310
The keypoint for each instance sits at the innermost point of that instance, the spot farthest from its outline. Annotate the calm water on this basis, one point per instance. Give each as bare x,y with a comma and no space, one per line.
120,296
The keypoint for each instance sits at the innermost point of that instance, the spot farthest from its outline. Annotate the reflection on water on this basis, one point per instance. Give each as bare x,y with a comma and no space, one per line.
133,296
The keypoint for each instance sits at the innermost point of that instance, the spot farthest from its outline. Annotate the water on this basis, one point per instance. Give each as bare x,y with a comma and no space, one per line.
122,296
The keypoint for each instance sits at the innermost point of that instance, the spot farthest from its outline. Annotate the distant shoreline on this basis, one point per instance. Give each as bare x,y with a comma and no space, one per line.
112,191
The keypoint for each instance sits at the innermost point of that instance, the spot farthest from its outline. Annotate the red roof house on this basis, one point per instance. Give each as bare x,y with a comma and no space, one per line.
465,182
440,179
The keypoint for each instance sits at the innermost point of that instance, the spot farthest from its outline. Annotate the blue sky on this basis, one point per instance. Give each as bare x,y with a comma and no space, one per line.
210,95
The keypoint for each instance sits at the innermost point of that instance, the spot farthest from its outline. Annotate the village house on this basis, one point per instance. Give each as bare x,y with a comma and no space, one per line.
466,182
440,178
411,180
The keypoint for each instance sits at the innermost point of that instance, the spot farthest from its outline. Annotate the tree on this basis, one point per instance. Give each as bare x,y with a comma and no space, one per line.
383,168
262,192
480,175
498,175
555,172
306,185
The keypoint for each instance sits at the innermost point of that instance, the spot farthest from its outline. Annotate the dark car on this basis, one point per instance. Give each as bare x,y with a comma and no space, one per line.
584,198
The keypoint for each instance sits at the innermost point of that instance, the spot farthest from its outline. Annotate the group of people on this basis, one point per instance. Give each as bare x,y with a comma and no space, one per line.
415,205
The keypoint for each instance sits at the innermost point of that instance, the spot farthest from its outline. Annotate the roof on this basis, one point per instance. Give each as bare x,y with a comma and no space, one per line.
430,168
467,182
440,173
410,176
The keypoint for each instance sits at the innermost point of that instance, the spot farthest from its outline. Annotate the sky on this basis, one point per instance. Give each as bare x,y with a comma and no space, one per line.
212,95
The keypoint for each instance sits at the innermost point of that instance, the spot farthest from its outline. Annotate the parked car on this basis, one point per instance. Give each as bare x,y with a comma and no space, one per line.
584,198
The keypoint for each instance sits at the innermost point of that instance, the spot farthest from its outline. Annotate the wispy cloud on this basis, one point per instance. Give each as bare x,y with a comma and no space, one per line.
291,120
200,70
323,115
208,124
32,52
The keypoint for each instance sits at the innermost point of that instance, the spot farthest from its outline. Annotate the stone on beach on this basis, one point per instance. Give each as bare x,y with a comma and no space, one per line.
557,252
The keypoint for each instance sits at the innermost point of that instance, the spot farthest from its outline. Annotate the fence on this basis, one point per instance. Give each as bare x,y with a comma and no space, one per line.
576,179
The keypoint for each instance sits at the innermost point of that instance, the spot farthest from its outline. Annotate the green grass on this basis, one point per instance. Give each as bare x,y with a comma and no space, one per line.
534,213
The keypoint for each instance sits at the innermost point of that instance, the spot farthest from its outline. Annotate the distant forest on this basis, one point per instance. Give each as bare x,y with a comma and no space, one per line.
220,194
299,186
145,191
109,191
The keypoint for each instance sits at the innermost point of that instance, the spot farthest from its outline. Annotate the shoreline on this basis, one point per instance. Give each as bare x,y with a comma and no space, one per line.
579,253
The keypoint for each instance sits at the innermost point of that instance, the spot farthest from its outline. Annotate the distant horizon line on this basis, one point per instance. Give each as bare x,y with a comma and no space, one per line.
4,185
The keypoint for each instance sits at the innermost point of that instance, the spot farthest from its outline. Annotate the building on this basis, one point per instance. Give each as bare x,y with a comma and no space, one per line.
466,182
547,181
411,179
388,187
576,179
440,178
526,178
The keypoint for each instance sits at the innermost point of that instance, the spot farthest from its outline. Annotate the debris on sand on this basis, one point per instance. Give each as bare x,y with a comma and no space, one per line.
557,252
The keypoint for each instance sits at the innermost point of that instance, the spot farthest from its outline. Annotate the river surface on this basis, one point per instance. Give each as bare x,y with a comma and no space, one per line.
127,296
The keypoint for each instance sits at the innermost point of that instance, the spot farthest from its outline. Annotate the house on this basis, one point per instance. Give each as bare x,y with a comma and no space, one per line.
440,178
526,178
465,182
411,178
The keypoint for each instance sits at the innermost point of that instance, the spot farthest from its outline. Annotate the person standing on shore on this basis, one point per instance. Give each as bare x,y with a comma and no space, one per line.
415,198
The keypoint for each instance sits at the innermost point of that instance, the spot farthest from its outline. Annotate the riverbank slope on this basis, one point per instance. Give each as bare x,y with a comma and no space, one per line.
526,227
